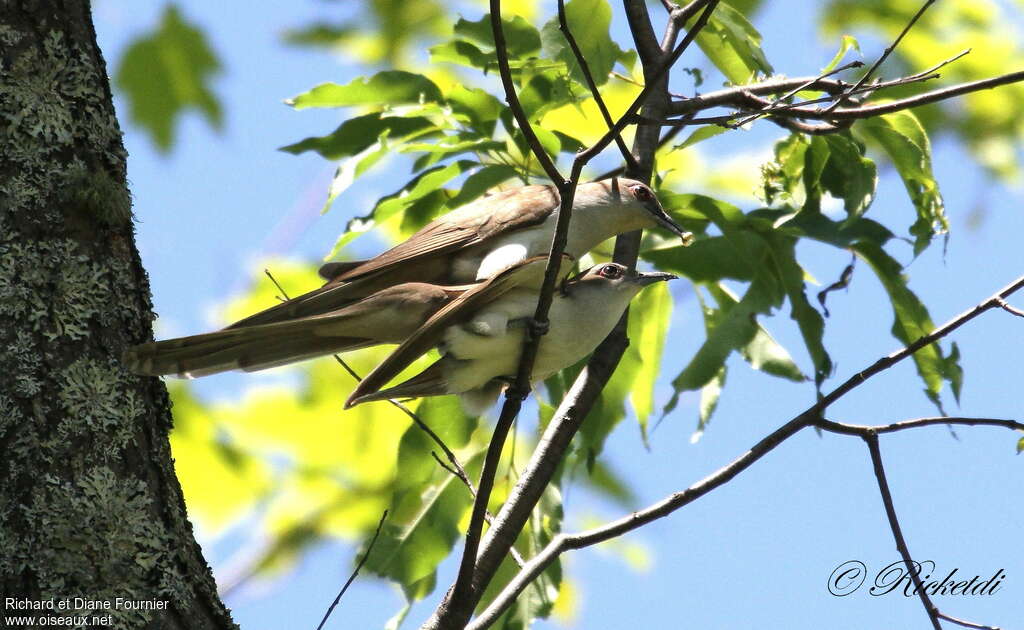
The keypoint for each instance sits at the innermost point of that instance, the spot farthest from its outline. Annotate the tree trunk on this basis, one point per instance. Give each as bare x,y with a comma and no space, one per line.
89,504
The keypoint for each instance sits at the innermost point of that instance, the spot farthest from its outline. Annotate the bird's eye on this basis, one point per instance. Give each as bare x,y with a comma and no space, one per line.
643,193
610,271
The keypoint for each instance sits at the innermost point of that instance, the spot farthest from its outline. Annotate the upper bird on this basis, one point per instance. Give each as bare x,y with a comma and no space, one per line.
481,334
479,240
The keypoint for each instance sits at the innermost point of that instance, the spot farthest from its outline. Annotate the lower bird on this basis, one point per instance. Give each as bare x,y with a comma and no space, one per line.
481,343
388,316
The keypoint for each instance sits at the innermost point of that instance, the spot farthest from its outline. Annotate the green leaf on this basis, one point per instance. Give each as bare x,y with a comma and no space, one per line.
708,259
355,166
462,53
355,135
904,140
700,135
428,502
649,317
610,407
730,327
419,187
478,106
166,72
848,175
391,87
710,394
762,352
522,38
545,91
733,45
847,42
589,22
453,145
480,182
911,322
808,319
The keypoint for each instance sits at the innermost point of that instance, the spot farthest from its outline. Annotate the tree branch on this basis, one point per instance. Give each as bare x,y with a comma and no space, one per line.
864,431
901,544
643,32
747,97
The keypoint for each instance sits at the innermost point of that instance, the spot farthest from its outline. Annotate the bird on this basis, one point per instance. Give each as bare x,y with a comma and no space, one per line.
387,316
481,338
479,240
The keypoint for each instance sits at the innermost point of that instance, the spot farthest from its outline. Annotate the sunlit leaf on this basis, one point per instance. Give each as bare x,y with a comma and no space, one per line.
906,143
733,45
520,36
391,87
847,43
357,134
650,314
589,22
911,322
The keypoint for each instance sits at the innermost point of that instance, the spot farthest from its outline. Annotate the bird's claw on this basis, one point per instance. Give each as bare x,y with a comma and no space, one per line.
539,328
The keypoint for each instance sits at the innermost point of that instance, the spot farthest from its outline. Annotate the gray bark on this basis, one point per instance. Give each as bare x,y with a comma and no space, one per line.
89,504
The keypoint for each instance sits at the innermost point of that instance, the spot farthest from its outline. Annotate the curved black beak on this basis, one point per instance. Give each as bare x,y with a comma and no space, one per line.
651,277
664,220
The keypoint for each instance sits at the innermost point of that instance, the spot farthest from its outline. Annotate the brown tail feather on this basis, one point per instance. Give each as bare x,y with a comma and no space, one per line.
429,382
220,352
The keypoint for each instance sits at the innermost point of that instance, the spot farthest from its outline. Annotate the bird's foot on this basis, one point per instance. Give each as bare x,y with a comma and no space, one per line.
539,328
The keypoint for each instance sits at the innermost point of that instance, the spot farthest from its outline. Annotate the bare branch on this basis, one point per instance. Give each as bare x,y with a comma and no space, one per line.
903,425
966,624
901,544
885,55
747,98
677,19
642,31
1009,309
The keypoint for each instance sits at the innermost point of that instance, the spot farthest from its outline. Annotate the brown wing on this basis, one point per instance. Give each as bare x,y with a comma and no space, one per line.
528,274
467,226
430,248
331,297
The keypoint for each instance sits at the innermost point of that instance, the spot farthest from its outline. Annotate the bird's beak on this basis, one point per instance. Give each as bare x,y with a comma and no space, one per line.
665,221
650,277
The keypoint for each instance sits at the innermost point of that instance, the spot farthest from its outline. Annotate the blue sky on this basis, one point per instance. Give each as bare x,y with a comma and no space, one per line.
758,551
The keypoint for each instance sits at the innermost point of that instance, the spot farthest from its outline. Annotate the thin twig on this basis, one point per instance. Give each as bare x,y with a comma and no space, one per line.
885,55
865,430
563,25
842,114
966,624
894,524
352,577
780,101
1010,309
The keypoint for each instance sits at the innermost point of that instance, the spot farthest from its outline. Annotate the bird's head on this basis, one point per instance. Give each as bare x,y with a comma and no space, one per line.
643,207
616,279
